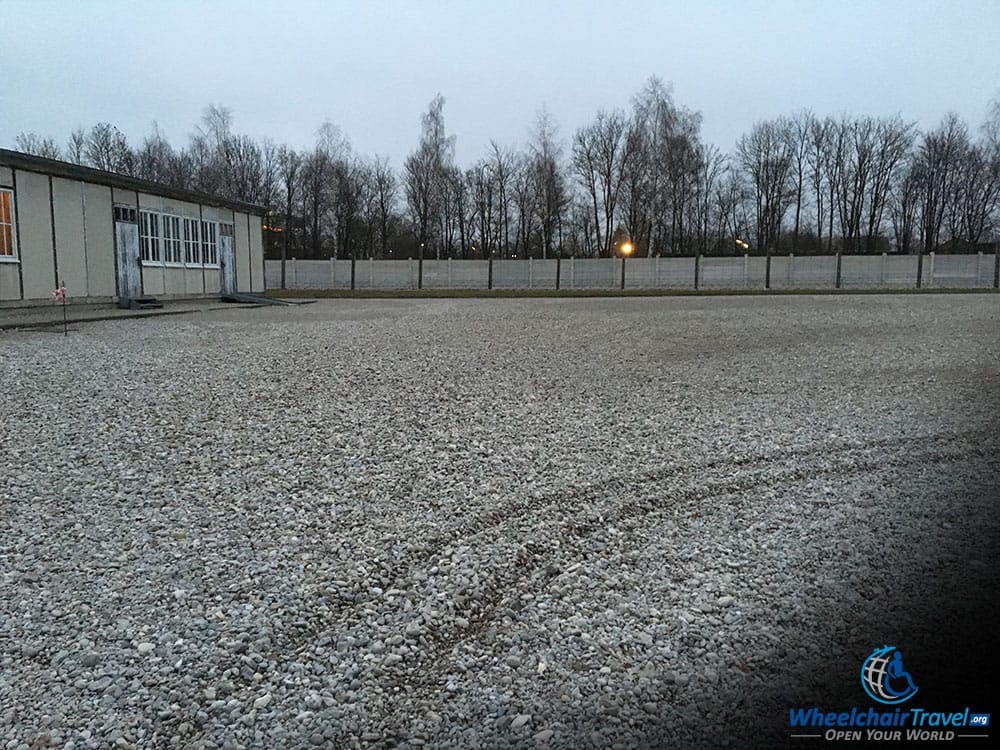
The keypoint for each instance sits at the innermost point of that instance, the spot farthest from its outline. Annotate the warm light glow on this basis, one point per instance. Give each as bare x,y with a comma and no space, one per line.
272,229
742,244
627,248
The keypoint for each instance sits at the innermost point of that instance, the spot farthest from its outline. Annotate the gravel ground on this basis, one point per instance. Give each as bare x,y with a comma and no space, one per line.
488,523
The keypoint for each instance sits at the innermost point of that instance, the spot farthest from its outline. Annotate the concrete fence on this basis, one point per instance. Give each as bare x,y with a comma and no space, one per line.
741,272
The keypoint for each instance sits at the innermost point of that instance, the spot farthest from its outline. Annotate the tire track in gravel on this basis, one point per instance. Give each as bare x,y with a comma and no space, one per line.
545,503
532,565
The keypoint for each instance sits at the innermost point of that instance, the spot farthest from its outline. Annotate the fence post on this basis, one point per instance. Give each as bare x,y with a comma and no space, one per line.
294,277
767,270
354,263
839,269
746,270
881,272
572,271
333,271
996,267
449,274
656,271
489,276
920,268
411,273
930,271
979,267
530,273
697,266
558,268
623,273
791,263
420,272
371,272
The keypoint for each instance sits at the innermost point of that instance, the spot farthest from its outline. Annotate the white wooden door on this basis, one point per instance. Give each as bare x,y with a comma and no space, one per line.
127,253
227,259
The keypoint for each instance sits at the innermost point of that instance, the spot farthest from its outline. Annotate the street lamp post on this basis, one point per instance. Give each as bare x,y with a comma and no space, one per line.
626,251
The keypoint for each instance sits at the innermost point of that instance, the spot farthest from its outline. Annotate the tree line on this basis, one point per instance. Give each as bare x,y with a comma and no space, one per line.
798,183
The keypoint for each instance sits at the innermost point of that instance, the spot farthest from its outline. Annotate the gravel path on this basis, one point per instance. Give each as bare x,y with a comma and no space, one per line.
481,523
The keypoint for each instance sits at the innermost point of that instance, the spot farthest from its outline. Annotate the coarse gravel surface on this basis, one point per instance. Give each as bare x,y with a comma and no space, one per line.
559,523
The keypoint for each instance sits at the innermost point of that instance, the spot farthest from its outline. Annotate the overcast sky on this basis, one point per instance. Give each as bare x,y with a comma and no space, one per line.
372,67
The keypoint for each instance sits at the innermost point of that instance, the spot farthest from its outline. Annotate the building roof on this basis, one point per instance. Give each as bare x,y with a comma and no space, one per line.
18,160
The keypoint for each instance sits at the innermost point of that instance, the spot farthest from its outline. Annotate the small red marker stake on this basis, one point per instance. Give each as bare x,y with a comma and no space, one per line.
59,295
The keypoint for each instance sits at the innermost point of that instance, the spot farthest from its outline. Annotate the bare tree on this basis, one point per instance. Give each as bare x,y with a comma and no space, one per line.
765,156
316,180
501,170
938,166
892,142
905,202
426,170
35,145
601,158
76,146
819,169
385,189
798,129
154,157
108,149
482,206
704,214
289,167
549,180
977,194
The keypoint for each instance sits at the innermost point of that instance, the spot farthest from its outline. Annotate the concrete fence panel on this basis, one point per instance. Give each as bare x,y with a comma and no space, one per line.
725,273
511,274
436,274
961,271
395,274
813,272
470,274
595,273
272,274
659,273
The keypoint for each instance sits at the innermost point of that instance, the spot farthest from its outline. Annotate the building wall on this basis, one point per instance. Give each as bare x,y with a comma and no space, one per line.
34,219
256,252
71,252
241,239
84,241
10,282
99,226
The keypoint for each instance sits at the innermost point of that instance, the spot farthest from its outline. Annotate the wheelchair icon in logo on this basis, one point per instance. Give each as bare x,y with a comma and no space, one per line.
885,679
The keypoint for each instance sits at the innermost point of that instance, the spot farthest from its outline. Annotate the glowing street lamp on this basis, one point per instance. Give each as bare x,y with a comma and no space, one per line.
626,250
742,244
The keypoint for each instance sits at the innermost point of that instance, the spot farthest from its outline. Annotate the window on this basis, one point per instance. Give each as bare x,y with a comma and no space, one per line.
7,235
210,253
176,240
192,242
149,236
171,239
125,214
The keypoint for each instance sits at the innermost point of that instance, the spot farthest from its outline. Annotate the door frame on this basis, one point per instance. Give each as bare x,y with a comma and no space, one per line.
128,265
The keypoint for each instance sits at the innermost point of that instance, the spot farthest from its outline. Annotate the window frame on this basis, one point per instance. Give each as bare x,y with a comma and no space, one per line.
149,238
172,240
210,249
191,242
13,256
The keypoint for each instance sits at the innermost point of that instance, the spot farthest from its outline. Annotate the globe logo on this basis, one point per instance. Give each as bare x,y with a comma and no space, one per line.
884,678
